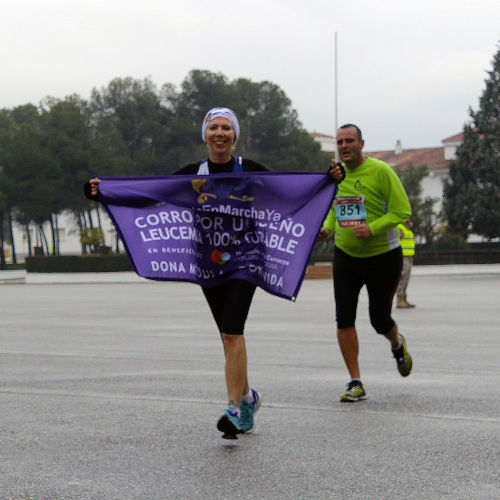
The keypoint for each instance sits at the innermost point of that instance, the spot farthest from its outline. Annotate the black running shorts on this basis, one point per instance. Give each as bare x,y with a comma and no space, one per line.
380,274
230,304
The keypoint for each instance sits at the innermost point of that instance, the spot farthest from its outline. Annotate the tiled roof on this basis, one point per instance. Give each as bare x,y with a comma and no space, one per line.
432,157
454,138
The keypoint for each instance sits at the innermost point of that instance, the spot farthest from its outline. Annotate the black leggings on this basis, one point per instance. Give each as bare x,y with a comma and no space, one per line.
380,274
230,304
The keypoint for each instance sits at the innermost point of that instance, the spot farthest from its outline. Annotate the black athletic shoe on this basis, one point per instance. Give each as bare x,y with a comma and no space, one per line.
403,359
355,392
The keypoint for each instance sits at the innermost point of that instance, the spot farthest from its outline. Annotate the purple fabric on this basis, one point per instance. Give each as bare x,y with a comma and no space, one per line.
208,229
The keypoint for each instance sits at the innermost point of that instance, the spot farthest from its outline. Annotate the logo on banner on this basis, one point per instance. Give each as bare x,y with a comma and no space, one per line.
219,190
220,257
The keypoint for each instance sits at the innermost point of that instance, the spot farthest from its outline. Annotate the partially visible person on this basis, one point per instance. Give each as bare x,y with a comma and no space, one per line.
370,203
407,241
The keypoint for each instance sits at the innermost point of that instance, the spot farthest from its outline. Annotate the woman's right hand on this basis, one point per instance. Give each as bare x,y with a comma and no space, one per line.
94,186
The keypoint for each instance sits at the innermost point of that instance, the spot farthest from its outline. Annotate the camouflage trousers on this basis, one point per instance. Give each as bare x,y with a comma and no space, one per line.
405,276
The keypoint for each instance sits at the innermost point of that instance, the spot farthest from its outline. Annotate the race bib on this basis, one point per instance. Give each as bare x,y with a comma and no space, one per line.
350,210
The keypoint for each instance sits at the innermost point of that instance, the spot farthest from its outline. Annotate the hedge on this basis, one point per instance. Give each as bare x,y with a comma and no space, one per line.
119,262
78,264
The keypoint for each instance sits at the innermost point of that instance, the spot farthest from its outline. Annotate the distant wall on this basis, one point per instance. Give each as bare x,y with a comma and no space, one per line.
470,256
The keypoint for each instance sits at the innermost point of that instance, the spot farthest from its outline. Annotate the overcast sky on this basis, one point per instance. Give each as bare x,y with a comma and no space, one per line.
406,70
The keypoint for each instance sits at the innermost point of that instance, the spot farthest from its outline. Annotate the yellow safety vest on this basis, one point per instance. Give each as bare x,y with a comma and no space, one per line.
407,240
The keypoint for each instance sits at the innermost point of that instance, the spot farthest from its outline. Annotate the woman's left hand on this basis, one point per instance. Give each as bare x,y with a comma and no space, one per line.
337,171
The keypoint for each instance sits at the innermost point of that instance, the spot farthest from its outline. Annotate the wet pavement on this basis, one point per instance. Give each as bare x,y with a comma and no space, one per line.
111,390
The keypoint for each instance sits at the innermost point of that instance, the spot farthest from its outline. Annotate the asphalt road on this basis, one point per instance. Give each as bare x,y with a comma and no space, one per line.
112,391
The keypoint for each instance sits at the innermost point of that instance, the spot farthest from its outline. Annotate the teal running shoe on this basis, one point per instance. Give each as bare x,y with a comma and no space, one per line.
229,423
248,411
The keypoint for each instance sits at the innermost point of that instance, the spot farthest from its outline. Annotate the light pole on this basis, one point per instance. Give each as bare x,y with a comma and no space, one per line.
336,98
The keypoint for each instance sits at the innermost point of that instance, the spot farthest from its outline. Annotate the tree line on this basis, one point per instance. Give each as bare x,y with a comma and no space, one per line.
134,127
131,127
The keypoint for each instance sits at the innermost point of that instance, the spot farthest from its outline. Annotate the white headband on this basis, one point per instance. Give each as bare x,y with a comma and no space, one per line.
220,113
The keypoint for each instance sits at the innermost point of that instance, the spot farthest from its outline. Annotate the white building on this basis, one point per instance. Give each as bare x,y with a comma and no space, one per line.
328,143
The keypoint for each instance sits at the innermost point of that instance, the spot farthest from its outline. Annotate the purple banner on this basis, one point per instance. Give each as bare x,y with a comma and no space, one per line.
260,227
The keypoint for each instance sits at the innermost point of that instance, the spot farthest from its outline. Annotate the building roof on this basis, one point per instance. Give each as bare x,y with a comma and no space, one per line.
317,134
432,157
454,138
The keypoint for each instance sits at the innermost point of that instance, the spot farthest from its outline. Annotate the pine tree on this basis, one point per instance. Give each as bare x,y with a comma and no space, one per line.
472,194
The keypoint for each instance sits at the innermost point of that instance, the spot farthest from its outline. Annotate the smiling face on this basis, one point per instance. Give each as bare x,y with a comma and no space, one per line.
350,147
220,138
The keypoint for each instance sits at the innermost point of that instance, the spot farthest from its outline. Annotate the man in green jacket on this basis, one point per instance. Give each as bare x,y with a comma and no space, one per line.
407,240
370,203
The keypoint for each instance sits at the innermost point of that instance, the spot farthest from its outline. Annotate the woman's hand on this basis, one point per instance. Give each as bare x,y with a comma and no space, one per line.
94,186
337,171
